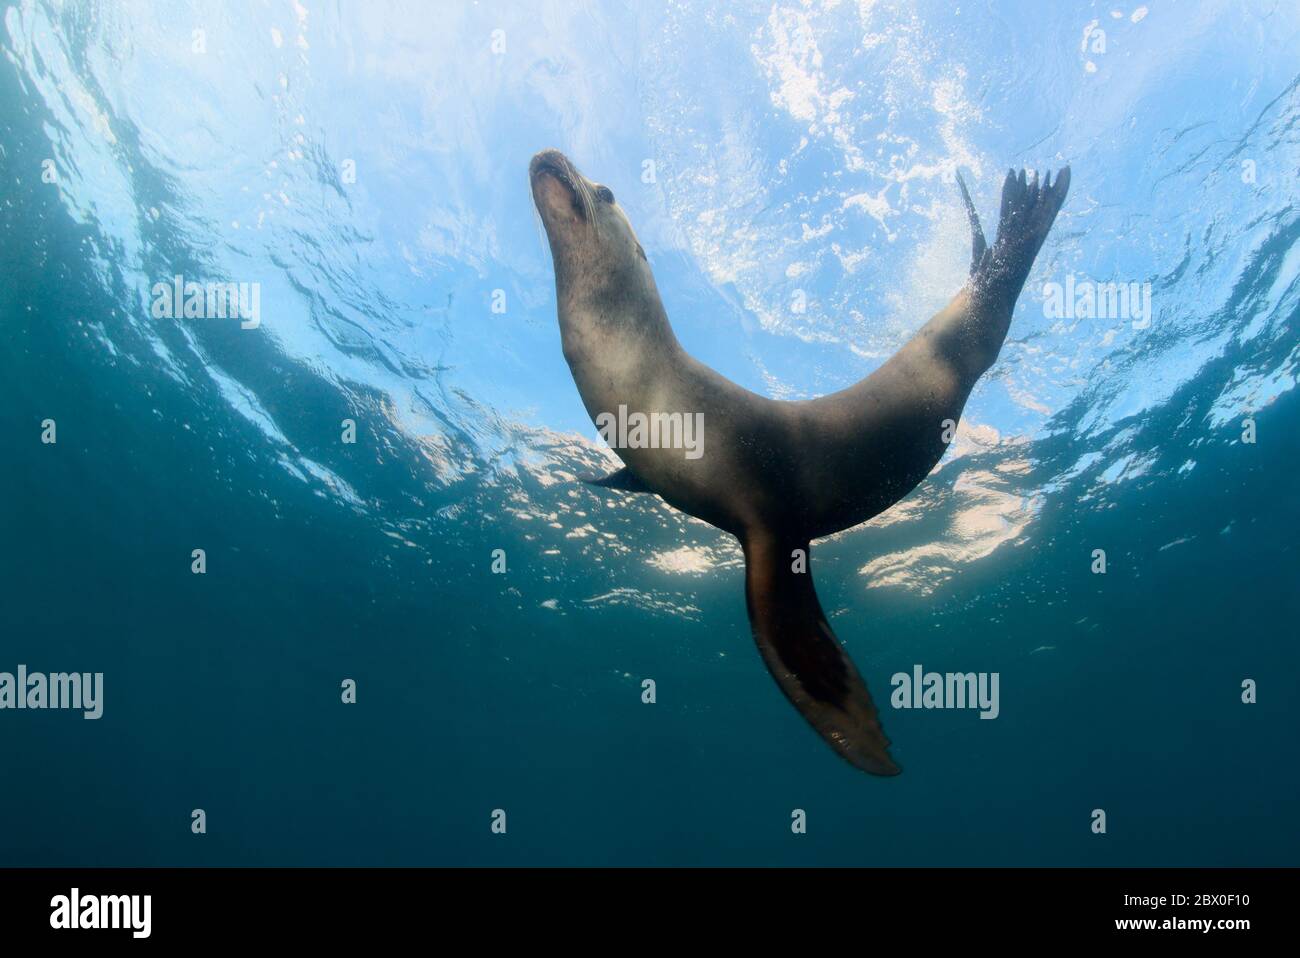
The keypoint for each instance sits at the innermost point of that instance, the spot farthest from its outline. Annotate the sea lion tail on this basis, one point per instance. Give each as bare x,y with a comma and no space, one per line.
803,655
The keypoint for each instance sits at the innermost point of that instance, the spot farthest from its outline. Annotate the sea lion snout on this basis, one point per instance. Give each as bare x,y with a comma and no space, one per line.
548,159
555,180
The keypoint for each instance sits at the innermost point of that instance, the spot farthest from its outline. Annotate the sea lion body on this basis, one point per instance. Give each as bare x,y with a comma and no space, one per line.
778,474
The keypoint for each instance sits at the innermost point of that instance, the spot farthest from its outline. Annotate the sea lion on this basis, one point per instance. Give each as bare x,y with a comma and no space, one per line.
779,474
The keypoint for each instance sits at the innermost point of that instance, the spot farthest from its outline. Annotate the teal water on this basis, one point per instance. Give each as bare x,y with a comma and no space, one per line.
799,149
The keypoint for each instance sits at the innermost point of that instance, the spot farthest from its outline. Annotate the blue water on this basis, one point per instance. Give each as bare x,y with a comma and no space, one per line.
365,165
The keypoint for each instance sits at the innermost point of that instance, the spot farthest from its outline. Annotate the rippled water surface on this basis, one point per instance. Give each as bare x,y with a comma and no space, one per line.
789,170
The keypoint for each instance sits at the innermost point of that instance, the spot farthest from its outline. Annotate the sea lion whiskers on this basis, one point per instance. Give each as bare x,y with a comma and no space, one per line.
588,204
562,168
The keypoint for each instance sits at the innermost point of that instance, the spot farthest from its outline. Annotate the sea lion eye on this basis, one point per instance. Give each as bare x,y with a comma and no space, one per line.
604,193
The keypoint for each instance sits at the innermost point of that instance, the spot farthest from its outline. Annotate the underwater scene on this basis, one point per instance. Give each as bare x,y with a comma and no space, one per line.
303,561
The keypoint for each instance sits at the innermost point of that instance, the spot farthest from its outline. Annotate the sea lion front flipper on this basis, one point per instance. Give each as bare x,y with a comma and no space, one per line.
805,658
624,479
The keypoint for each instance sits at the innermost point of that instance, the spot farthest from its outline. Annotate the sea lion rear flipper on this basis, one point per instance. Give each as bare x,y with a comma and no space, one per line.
624,479
1028,211
979,246
805,658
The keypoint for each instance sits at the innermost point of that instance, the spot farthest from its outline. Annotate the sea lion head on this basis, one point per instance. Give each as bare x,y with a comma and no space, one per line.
598,260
